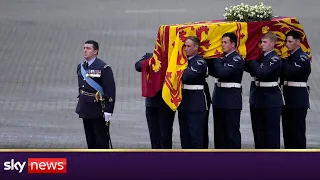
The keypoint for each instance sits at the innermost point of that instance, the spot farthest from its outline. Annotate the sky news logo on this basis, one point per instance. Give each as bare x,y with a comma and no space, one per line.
38,165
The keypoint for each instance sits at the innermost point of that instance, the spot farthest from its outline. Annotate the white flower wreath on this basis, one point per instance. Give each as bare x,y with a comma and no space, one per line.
247,13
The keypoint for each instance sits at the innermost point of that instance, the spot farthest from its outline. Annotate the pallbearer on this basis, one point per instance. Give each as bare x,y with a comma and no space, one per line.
159,116
193,108
266,94
296,70
227,94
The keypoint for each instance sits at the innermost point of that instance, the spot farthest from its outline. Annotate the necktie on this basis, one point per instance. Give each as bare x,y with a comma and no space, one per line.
85,65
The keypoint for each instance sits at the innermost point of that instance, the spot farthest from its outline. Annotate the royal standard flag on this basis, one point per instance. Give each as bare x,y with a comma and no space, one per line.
164,70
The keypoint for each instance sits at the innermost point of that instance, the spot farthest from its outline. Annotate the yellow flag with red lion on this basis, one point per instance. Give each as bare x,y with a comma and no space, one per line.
164,70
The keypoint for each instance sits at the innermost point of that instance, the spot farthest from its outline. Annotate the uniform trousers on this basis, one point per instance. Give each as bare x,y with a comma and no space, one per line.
227,128
266,127
96,133
294,127
160,122
192,125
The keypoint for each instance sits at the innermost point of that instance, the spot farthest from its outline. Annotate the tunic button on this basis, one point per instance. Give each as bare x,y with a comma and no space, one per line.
82,85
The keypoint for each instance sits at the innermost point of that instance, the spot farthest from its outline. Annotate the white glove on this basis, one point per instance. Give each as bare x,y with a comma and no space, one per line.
107,116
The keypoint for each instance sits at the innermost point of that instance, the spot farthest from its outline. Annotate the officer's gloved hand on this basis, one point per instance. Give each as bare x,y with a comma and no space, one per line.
107,116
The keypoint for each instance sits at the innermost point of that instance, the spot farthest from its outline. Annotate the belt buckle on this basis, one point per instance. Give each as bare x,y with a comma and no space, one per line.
81,91
219,84
258,83
98,96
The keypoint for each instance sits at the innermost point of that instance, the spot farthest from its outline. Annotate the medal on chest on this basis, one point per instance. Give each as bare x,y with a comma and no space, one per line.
93,73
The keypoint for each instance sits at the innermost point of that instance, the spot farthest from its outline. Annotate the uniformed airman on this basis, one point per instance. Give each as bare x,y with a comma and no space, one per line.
97,95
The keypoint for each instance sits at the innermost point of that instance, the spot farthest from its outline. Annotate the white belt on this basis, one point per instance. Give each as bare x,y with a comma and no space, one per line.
228,85
295,84
192,87
266,84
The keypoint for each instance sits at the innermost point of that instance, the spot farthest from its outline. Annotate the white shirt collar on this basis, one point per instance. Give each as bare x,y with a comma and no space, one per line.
91,61
230,53
266,53
191,57
295,51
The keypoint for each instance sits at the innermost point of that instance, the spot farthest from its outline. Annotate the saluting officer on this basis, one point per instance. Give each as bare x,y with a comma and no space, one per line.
97,93
296,70
227,95
159,116
192,110
267,95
